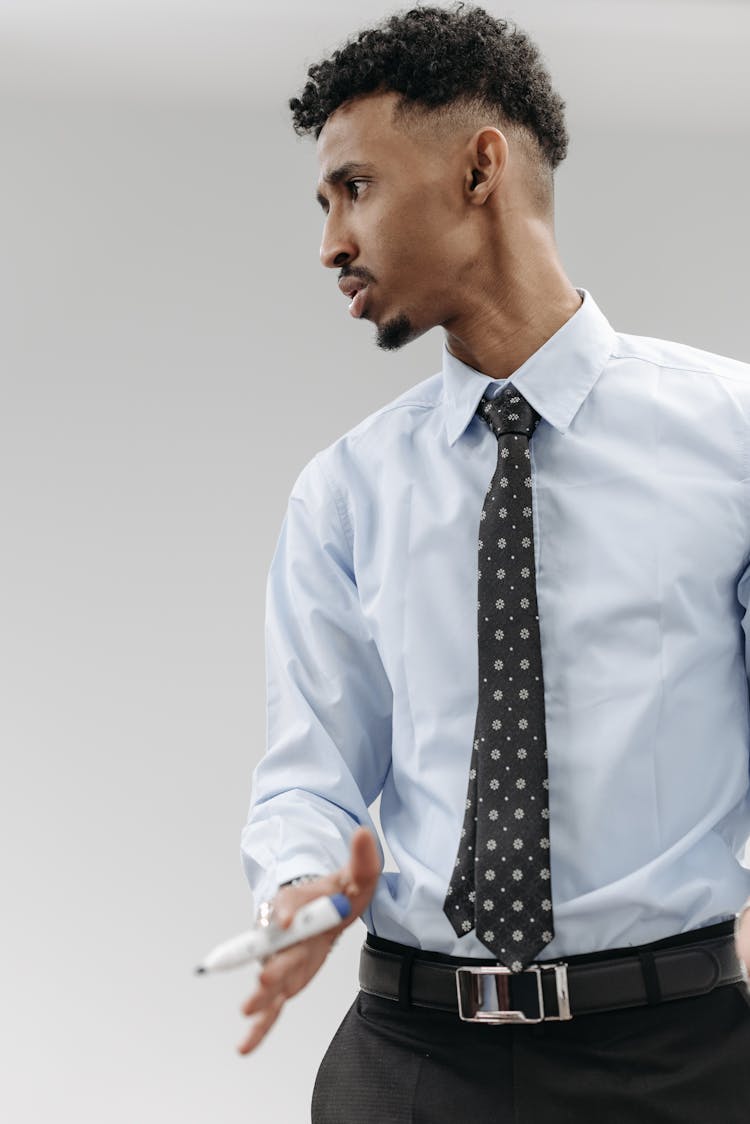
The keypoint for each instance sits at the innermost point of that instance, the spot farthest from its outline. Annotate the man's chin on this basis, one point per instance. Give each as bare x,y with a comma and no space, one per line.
396,332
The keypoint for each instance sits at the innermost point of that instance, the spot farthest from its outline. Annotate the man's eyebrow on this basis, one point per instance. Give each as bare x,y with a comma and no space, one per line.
343,172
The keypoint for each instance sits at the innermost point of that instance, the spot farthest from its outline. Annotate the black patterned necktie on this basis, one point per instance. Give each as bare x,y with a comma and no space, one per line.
500,886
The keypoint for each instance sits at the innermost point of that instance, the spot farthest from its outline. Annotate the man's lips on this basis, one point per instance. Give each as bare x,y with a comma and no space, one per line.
350,285
355,290
356,308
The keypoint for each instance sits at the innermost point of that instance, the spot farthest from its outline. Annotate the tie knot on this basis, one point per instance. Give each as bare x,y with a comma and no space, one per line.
509,412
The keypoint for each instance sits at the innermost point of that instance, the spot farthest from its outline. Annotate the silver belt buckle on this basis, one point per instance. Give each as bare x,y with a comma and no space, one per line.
484,994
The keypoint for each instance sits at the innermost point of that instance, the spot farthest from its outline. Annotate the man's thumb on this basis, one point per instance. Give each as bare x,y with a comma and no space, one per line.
365,859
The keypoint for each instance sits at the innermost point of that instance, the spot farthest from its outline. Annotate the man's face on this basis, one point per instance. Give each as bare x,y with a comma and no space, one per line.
397,224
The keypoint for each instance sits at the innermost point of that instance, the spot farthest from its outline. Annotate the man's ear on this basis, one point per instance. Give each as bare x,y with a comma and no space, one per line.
488,152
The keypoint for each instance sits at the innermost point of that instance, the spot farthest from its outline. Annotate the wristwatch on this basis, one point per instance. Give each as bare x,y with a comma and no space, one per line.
301,879
264,912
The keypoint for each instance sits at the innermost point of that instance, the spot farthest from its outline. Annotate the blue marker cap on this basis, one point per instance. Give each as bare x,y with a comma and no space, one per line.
342,904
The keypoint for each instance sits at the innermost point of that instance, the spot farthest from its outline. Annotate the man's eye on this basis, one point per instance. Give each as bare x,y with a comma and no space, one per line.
352,185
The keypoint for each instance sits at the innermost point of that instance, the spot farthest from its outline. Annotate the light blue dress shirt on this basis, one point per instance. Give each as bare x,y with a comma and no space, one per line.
641,498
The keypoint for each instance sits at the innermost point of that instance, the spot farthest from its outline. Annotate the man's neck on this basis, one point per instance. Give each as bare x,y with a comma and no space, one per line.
498,339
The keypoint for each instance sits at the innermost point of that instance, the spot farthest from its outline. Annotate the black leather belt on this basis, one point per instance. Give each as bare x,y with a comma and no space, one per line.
688,964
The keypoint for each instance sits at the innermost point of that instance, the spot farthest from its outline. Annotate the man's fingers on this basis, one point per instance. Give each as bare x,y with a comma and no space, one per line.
270,983
262,1025
258,1001
284,974
358,878
288,971
365,860
267,990
281,967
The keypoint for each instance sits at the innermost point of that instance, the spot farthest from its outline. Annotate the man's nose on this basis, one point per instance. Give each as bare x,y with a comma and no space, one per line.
337,248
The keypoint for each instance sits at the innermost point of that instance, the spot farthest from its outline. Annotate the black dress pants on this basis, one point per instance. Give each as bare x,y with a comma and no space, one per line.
686,1061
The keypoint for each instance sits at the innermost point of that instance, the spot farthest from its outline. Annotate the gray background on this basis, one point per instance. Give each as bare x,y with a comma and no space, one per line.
162,307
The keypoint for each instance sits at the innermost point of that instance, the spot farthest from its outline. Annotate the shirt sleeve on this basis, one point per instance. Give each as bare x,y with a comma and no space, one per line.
328,701
743,596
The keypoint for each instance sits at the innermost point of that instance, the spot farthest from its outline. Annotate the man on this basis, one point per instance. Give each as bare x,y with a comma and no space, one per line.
560,735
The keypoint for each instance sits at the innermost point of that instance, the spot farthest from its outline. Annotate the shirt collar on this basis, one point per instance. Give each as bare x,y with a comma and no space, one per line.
554,380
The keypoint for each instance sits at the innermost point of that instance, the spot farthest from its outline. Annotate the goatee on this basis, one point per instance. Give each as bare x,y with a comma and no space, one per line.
395,333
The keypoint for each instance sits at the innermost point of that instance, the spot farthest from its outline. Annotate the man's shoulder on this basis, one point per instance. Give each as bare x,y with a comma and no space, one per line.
394,418
677,356
355,459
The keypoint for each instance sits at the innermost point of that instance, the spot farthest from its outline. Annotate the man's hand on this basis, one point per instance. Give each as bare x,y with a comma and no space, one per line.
743,939
287,971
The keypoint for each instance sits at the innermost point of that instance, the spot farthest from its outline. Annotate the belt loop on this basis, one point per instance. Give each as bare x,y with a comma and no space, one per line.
404,978
650,976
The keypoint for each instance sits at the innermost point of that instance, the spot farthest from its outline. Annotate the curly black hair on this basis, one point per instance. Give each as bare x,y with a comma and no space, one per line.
436,57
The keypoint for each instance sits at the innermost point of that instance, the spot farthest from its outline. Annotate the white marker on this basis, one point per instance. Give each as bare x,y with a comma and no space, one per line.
315,917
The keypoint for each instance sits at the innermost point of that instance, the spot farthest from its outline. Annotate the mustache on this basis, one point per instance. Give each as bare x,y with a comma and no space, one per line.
357,275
